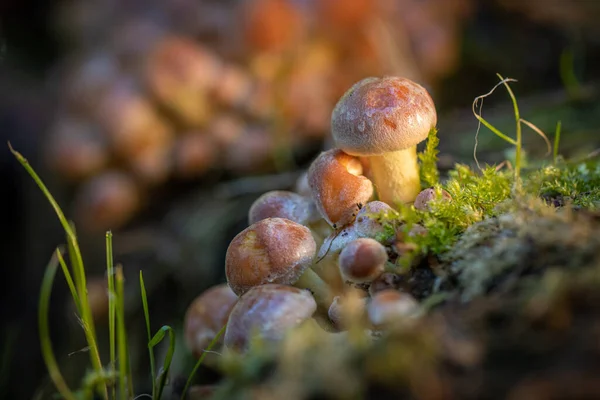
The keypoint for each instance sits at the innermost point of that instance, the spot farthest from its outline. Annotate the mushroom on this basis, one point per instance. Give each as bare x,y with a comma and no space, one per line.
267,311
206,315
76,149
362,261
390,307
292,206
366,225
282,204
274,250
181,74
348,308
131,122
426,196
339,190
194,154
301,186
384,119
107,201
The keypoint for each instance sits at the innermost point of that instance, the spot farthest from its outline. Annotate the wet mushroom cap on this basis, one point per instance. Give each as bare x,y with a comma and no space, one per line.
362,260
337,186
272,250
206,315
268,311
381,115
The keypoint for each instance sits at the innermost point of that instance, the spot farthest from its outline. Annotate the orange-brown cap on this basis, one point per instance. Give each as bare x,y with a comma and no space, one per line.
338,188
268,311
273,250
362,260
206,315
381,115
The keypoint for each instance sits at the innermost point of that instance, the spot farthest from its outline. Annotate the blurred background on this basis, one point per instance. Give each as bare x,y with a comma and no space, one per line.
164,120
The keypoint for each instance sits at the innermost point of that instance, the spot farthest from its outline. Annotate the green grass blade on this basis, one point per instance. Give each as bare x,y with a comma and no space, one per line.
212,344
148,329
69,280
158,337
495,130
518,122
556,142
77,265
44,330
121,332
110,273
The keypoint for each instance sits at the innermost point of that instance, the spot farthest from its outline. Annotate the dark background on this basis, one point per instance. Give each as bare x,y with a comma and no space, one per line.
495,38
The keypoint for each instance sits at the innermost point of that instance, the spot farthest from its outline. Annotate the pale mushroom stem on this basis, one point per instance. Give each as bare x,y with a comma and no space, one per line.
396,176
319,289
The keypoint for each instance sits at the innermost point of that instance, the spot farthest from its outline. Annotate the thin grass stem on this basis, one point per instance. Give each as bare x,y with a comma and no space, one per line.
149,332
44,330
110,274
212,344
121,332
556,142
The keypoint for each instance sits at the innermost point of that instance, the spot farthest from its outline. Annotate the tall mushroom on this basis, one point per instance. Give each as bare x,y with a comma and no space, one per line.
383,119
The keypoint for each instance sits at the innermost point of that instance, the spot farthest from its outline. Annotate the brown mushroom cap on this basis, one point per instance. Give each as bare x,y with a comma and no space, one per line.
273,250
338,188
362,260
381,115
206,315
283,204
268,311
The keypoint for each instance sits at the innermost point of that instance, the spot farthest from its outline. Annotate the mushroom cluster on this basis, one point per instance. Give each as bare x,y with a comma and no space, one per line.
176,90
320,254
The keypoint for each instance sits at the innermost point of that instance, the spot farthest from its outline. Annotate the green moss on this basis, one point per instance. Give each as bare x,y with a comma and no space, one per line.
429,172
578,184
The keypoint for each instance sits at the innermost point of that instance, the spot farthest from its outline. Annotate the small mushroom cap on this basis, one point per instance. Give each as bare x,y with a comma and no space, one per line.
351,306
367,221
426,196
283,204
206,315
390,307
362,260
338,188
268,311
382,115
272,250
